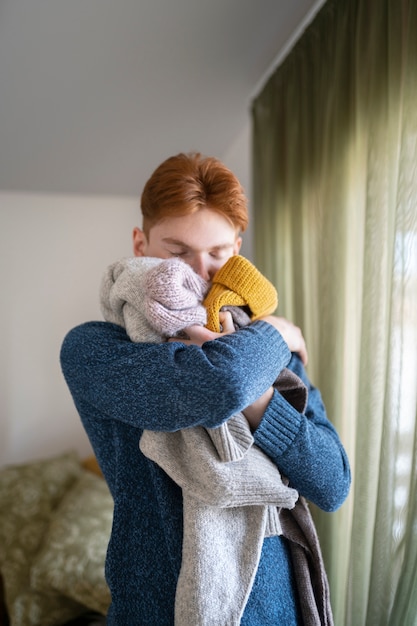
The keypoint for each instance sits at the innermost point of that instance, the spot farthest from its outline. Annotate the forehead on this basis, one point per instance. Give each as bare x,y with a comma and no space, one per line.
202,230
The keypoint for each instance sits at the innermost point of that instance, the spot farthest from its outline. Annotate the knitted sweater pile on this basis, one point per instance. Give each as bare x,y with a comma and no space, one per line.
121,388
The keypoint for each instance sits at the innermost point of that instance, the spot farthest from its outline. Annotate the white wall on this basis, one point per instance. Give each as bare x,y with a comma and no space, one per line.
53,250
238,159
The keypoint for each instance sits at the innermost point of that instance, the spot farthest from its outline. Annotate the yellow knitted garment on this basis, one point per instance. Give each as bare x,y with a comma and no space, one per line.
239,283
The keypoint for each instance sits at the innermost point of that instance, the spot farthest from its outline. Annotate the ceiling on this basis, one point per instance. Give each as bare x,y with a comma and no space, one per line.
95,93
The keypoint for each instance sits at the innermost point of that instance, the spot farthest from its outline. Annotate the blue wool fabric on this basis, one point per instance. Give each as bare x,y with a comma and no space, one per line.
121,388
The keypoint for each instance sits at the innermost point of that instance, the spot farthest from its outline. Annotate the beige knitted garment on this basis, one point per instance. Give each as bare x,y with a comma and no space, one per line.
232,494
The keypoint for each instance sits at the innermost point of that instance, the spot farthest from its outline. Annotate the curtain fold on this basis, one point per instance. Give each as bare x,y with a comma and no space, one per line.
335,229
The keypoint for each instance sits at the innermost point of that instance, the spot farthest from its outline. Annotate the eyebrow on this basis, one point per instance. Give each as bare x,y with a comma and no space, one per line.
178,242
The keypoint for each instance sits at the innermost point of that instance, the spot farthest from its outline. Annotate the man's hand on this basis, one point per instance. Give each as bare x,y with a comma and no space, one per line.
254,413
291,334
197,335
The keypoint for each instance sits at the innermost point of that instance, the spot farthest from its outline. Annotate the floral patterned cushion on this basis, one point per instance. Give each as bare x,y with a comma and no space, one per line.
71,559
29,493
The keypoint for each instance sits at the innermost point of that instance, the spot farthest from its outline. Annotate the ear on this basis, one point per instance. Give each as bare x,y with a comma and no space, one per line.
237,245
139,242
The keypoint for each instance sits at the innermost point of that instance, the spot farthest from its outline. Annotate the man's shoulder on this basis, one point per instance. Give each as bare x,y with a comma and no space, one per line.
98,324
88,335
96,327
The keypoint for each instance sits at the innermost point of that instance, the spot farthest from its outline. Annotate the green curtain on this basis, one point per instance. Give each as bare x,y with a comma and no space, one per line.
335,229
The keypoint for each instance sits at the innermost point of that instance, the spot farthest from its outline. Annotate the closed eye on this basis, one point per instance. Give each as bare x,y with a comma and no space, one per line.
178,253
219,254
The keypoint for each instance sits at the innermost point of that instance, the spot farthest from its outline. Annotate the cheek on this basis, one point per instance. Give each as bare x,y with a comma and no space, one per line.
216,264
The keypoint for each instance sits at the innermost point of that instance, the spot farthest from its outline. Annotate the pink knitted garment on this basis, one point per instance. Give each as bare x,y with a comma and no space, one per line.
152,298
173,297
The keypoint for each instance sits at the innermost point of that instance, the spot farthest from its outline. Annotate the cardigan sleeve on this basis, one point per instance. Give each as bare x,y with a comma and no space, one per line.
306,447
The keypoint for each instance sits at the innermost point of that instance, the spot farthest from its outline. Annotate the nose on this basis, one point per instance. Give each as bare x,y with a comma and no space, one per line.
203,266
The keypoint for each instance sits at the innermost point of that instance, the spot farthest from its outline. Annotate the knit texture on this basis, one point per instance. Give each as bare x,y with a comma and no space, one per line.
232,494
152,298
120,388
310,574
239,283
173,297
217,469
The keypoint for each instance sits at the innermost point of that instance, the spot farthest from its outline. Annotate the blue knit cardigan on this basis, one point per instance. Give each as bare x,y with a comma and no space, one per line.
120,388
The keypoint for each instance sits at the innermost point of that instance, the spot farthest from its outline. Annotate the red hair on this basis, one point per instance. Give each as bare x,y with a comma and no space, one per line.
186,183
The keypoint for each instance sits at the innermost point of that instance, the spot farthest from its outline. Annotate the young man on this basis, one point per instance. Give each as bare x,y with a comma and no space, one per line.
194,208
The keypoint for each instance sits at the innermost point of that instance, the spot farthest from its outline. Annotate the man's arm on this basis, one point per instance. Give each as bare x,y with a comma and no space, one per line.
294,339
170,386
305,447
291,334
